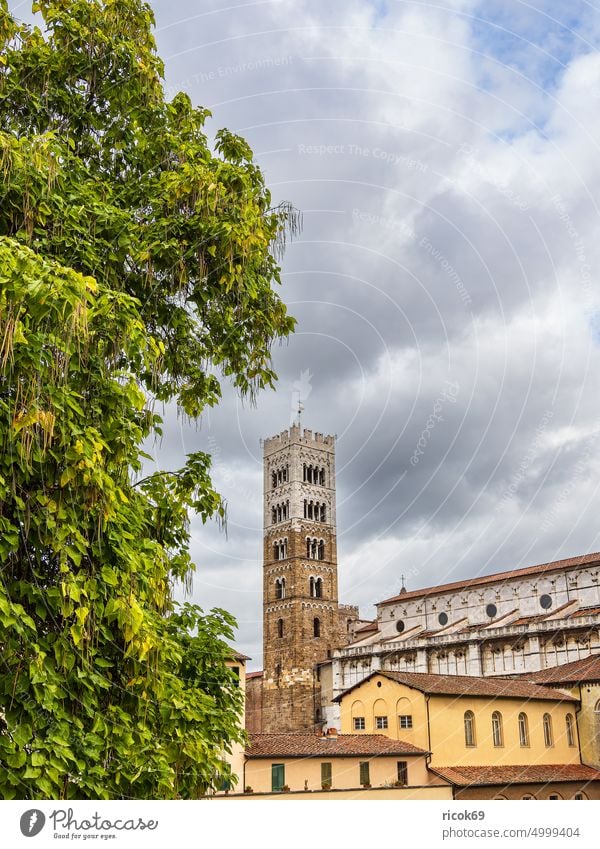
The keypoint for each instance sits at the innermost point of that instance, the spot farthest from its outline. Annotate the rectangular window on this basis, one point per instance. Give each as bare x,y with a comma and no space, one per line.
364,773
405,721
326,774
277,776
381,722
402,772
359,723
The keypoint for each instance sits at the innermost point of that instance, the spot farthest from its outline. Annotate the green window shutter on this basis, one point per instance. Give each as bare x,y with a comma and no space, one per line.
277,776
364,772
326,773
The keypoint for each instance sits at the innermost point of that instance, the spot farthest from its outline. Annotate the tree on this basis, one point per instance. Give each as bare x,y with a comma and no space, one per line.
135,266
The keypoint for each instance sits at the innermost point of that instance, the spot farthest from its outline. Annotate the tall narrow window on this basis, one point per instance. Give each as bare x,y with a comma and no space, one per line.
469,720
323,516
321,550
497,734
402,772
316,627
278,589
311,587
523,730
548,738
304,472
280,628
326,774
274,479
277,777
322,477
318,587
364,776
570,729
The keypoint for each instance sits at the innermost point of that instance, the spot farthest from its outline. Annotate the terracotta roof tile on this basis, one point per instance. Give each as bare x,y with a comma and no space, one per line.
555,565
254,674
585,669
370,626
468,685
311,746
586,611
467,776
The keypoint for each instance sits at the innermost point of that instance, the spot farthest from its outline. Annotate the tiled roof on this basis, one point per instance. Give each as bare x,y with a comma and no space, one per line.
555,565
370,626
254,674
586,669
467,776
468,685
549,614
341,745
586,611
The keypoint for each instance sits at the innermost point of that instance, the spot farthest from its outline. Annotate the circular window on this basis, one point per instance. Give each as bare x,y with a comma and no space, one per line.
399,626
443,618
379,683
491,610
546,602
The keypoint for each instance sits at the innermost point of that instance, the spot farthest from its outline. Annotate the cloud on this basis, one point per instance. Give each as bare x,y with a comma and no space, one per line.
445,159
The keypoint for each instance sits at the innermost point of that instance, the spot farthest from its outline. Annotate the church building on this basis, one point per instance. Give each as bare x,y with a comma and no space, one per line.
519,622
303,622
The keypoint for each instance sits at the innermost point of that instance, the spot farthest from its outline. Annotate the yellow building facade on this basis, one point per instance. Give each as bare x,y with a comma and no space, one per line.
298,762
479,722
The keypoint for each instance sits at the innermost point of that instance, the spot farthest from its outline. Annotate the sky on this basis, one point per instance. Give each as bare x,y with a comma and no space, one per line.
444,157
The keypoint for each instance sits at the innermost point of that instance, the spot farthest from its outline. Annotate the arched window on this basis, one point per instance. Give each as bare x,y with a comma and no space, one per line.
497,733
279,588
305,508
274,479
304,472
322,477
277,670
469,721
316,627
280,628
547,722
318,587
523,730
311,587
323,515
321,550
570,729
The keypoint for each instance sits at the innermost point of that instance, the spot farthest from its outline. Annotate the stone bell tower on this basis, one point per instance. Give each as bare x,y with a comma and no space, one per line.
300,583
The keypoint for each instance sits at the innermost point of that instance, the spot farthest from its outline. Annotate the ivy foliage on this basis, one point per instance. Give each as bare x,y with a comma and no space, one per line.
136,265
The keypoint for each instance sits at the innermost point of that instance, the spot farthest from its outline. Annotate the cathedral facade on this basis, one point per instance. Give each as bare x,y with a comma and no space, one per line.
517,622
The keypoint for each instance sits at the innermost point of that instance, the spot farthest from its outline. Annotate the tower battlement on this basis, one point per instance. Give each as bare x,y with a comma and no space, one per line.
296,435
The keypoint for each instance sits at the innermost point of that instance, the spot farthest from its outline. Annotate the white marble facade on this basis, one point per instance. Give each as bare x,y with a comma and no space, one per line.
512,622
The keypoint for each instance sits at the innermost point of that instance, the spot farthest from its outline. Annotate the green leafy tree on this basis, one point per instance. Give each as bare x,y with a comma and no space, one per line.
136,265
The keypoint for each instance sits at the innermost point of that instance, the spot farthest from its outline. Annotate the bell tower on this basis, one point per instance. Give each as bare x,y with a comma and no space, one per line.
301,618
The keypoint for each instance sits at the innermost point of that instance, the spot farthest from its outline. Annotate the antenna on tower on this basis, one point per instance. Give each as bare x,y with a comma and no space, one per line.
300,411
